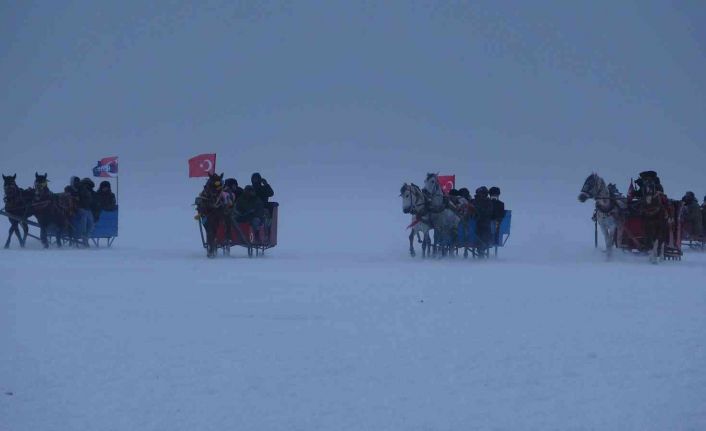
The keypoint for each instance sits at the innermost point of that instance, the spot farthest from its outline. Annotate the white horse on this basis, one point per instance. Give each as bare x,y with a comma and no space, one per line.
413,202
608,209
443,220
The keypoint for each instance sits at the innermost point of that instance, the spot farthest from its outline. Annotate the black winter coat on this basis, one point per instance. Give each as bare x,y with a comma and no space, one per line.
85,198
105,201
264,191
484,209
248,207
498,210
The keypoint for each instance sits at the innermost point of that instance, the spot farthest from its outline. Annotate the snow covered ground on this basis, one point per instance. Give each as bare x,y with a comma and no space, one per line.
147,337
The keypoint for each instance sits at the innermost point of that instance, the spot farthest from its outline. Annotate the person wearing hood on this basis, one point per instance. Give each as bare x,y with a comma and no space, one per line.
105,198
262,188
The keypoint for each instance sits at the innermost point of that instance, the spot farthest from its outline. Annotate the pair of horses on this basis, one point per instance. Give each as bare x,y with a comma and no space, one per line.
429,212
611,209
53,211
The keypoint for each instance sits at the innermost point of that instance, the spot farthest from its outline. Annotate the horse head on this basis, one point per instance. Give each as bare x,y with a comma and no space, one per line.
412,198
406,195
41,182
214,183
591,187
9,182
431,184
9,179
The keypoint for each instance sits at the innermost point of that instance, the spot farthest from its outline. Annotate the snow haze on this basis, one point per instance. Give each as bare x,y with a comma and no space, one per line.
337,104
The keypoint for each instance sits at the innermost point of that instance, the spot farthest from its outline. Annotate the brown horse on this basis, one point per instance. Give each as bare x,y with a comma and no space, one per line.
52,210
18,205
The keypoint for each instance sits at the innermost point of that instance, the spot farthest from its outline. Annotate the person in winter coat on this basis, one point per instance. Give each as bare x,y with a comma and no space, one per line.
498,205
484,215
250,209
231,185
465,193
83,220
262,188
498,211
105,198
72,188
691,213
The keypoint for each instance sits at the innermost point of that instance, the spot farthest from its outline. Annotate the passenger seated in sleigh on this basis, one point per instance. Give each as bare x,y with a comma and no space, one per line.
250,209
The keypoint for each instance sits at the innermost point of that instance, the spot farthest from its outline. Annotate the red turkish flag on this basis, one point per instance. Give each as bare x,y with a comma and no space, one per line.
202,165
447,182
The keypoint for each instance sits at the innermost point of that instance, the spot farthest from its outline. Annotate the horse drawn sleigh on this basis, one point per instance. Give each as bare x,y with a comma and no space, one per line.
645,222
54,216
459,223
222,226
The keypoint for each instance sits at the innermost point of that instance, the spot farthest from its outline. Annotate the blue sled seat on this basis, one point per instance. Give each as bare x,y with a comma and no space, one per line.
106,226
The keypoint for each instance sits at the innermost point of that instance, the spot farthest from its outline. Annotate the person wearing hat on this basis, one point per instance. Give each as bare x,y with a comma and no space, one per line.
498,205
484,216
691,213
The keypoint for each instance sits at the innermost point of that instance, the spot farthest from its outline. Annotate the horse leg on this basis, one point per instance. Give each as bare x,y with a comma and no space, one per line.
436,245
411,244
16,228
43,235
607,237
610,241
25,229
9,234
211,236
424,248
654,252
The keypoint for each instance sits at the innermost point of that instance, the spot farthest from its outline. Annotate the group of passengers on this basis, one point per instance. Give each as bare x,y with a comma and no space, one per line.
89,204
250,204
485,207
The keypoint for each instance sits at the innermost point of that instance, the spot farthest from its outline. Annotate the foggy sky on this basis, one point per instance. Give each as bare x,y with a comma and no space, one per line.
343,101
